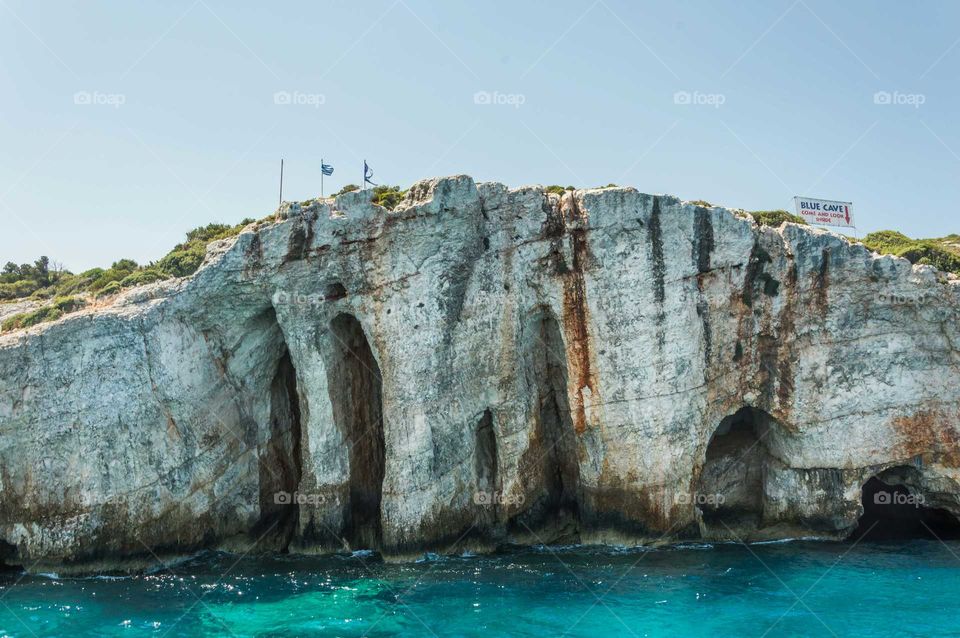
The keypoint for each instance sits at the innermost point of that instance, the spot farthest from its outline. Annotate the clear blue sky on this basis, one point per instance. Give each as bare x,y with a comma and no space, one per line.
198,136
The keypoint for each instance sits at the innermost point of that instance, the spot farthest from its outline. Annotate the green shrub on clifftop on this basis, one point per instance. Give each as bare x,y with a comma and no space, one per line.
776,217
939,253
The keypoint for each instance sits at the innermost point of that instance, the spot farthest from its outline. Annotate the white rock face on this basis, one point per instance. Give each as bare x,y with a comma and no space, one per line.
481,365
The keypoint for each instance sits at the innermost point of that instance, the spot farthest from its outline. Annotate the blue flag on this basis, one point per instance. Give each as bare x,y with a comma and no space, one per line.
326,169
367,173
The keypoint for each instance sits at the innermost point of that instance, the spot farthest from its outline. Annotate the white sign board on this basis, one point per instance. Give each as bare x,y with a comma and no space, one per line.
825,212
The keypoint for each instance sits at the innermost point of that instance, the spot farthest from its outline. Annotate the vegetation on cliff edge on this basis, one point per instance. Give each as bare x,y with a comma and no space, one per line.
61,291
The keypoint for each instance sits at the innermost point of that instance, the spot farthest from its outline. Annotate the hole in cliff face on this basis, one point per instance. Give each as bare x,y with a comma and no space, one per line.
730,489
894,509
485,461
356,394
9,558
485,465
280,459
550,467
334,291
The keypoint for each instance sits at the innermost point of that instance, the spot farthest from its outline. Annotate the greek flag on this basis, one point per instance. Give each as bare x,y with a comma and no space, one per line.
367,173
327,169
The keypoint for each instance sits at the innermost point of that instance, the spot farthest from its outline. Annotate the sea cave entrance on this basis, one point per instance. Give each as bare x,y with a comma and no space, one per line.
729,493
895,508
551,464
355,387
280,459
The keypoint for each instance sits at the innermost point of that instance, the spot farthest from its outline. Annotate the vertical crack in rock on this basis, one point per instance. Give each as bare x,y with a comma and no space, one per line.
550,467
656,255
730,487
575,313
486,465
280,459
301,236
658,268
703,244
821,282
355,388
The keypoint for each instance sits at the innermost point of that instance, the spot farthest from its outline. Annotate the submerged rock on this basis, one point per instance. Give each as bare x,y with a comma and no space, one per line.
481,365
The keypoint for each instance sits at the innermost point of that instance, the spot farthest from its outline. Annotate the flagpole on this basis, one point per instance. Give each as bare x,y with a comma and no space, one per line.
281,188
321,178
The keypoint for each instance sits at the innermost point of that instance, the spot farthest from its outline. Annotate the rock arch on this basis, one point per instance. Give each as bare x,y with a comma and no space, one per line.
356,395
897,506
729,491
549,470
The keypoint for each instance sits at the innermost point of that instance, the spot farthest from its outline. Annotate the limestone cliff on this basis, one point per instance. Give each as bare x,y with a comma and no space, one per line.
481,365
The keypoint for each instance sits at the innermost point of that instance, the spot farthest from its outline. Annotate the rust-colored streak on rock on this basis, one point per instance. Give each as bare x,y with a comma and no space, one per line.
928,433
575,313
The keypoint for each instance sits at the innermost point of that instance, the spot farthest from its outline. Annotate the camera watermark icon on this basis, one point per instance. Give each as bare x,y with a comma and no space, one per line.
696,98
497,498
97,98
713,500
896,98
898,498
496,98
287,298
298,98
897,299
298,498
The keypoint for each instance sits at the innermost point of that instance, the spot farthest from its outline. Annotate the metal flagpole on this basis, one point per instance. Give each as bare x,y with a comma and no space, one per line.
281,188
321,178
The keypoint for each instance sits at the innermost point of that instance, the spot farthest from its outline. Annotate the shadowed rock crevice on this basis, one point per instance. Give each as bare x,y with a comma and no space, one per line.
486,470
281,461
356,396
895,509
550,467
730,489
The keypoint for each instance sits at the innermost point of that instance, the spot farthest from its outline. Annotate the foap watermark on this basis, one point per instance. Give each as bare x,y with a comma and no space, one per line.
298,498
298,98
898,498
294,298
99,98
497,498
904,299
696,98
713,500
496,98
896,98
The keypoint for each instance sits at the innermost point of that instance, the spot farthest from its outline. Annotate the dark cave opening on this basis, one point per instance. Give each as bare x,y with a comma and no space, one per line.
891,511
356,395
729,492
485,467
485,460
281,460
552,458
10,562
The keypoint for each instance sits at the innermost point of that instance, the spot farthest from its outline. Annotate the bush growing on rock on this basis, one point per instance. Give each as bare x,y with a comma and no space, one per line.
111,288
388,196
776,217
349,188
59,307
939,253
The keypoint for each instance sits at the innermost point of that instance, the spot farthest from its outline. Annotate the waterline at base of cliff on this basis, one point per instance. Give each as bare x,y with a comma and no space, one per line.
795,588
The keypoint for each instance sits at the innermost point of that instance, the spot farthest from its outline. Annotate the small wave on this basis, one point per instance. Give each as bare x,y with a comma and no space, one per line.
798,539
49,575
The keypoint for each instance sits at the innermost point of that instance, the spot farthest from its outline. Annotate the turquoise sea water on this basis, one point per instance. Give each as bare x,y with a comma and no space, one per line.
786,589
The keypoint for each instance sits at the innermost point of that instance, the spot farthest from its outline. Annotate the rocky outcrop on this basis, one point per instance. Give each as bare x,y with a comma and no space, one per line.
481,365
